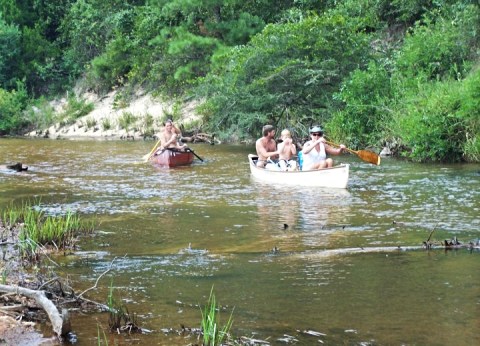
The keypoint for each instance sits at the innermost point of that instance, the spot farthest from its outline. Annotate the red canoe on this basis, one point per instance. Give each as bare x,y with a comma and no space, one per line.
172,158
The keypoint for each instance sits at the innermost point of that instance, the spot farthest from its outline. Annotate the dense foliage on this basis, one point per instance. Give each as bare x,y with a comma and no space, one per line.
402,73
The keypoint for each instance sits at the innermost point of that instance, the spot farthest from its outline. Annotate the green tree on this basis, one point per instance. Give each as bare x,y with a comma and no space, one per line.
9,52
366,97
287,74
12,103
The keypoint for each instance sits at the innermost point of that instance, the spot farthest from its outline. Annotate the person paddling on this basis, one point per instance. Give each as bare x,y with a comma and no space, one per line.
169,138
315,151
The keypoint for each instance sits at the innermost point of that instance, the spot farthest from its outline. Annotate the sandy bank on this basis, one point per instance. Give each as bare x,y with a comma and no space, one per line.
105,121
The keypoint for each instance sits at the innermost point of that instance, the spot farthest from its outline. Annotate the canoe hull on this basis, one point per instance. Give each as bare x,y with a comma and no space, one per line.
335,177
171,158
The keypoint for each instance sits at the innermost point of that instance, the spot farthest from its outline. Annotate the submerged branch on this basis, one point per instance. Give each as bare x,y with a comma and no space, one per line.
446,246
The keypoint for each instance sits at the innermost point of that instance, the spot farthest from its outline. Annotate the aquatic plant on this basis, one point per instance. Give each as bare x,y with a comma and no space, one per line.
212,333
10,217
36,229
120,319
99,339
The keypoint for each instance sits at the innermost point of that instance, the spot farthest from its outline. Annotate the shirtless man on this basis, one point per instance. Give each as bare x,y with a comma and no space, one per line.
267,148
286,150
169,138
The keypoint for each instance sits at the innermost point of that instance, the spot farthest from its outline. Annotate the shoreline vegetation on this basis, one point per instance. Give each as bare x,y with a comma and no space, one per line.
403,75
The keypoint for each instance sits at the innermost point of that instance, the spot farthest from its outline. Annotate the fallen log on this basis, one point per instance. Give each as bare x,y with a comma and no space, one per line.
202,138
387,249
59,327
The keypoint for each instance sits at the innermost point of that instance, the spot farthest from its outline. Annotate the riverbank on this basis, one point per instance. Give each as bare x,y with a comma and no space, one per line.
142,117
14,328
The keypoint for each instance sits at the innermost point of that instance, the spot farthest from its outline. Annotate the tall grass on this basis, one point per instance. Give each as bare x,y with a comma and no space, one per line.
36,229
127,120
99,339
213,334
119,318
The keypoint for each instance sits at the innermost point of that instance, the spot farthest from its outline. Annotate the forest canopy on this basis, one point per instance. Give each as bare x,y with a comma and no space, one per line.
403,74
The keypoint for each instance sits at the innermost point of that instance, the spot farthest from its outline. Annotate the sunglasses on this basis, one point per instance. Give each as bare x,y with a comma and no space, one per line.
317,134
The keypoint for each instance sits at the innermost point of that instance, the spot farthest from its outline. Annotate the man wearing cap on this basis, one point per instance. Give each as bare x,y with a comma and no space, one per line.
267,148
315,151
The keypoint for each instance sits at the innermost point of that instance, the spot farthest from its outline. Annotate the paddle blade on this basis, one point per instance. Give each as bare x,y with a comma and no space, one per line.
368,156
146,157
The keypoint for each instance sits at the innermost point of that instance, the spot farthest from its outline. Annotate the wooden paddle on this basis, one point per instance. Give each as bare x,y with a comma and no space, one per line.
365,155
147,156
198,157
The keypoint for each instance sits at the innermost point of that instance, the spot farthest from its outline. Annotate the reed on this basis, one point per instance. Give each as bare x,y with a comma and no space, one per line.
120,319
115,310
37,229
99,339
213,334
10,217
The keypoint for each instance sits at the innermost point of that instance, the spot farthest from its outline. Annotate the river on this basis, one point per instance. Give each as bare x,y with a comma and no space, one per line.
174,234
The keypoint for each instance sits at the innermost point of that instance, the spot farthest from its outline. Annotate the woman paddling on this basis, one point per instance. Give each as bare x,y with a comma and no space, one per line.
315,151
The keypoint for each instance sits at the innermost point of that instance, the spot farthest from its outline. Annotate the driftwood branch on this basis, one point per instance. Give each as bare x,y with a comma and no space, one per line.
39,296
98,279
201,137
388,249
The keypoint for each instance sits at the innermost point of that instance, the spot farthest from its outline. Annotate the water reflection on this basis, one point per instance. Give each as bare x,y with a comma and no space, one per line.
309,215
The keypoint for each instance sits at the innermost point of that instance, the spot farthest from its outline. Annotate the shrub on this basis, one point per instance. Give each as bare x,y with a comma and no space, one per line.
106,124
12,104
441,47
440,122
75,108
126,120
362,120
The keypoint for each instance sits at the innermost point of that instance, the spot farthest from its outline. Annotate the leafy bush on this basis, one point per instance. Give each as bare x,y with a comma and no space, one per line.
12,104
75,108
40,114
111,68
366,95
106,124
9,50
441,47
441,121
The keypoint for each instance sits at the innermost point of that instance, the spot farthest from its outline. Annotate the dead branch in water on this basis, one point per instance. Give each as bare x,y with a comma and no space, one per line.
98,279
446,245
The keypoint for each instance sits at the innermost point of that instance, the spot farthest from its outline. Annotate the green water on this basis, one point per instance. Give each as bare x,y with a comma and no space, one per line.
173,234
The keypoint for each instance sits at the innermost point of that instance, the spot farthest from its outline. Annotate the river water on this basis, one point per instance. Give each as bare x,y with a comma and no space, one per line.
174,234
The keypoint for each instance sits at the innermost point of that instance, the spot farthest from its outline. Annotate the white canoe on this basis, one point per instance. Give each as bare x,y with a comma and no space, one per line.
335,177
